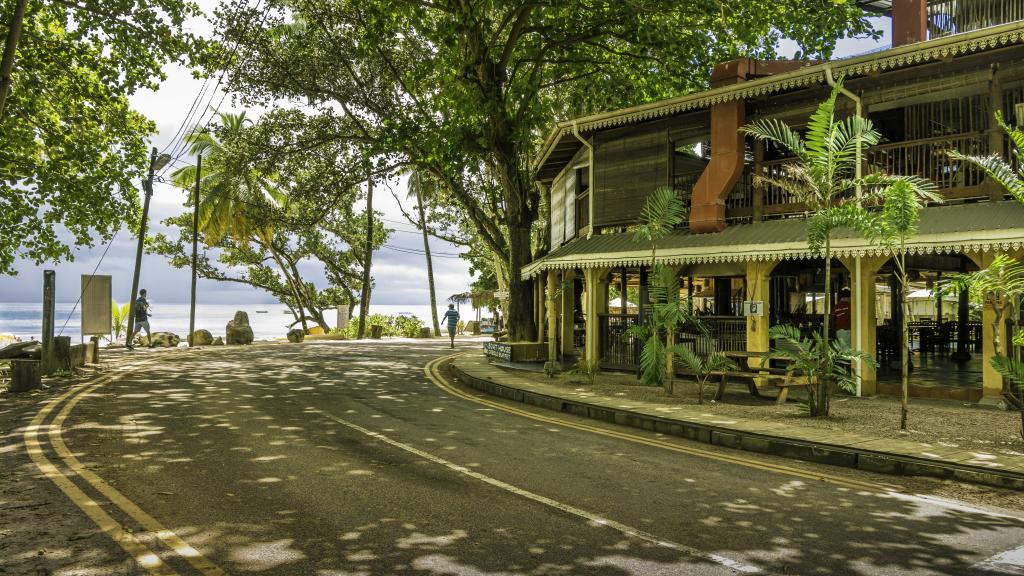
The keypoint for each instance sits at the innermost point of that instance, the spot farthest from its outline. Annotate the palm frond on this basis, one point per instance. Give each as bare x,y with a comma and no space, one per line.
652,361
823,223
1015,134
777,132
923,188
820,126
1010,368
663,211
998,169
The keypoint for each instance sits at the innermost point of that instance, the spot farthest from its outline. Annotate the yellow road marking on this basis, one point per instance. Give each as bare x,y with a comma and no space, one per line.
433,374
108,525
136,549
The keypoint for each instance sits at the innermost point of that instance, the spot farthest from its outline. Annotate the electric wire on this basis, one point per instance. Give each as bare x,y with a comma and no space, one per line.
87,283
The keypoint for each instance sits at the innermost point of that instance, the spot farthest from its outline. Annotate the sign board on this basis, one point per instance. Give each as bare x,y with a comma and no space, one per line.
96,302
753,307
500,350
501,294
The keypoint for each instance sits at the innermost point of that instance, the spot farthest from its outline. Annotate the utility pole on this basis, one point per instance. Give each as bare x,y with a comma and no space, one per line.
364,304
155,163
195,253
10,46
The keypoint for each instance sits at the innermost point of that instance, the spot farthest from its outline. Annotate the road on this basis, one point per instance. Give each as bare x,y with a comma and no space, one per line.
335,459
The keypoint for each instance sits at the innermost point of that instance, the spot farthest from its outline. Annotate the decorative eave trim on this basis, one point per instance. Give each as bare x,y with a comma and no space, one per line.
1002,241
908,55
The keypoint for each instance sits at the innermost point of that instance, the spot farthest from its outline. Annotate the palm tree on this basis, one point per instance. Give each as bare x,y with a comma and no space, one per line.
823,176
231,186
420,192
892,228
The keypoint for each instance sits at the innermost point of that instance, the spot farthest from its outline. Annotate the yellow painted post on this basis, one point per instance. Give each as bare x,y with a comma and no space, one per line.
758,282
552,311
539,302
991,381
863,333
567,312
596,281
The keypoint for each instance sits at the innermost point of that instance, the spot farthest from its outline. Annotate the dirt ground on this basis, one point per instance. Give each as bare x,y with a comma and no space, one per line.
948,423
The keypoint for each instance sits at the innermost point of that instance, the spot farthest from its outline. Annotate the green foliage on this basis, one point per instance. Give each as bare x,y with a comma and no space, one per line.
998,168
403,326
73,150
587,369
662,212
703,368
461,90
119,318
820,370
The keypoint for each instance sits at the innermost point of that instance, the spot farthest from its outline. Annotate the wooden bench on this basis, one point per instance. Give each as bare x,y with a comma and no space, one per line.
781,378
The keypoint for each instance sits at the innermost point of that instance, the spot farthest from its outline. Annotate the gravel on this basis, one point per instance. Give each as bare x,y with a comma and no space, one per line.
944,422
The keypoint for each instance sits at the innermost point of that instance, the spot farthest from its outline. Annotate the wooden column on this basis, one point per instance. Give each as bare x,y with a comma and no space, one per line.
568,286
552,312
863,298
995,133
596,282
49,303
758,278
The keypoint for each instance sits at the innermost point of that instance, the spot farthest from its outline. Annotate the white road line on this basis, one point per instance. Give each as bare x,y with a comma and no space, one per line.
1009,562
596,519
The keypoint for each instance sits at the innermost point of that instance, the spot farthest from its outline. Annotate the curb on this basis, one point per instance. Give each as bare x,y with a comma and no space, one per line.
849,457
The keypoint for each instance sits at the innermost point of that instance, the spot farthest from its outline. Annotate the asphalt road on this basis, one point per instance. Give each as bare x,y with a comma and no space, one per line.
340,459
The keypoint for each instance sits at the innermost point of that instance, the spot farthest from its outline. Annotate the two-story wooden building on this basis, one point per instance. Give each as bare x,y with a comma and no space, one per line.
952,65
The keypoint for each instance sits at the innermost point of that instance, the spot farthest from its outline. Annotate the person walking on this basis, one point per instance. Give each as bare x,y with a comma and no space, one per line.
452,318
141,319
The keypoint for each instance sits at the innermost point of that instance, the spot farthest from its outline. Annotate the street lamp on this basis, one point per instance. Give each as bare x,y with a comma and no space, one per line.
155,163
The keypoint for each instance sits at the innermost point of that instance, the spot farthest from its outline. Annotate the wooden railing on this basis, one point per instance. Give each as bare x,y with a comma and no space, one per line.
622,351
926,158
948,17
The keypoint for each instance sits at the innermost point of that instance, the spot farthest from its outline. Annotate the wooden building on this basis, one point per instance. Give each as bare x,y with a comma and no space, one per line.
953,64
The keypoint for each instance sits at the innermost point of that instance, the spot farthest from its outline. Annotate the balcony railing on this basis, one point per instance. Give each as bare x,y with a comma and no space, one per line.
926,158
948,17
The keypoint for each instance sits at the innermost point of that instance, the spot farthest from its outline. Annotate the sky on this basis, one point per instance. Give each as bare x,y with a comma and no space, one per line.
399,277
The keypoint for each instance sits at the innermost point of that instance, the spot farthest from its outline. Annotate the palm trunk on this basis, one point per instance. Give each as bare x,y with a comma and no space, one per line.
430,264
904,351
825,380
364,303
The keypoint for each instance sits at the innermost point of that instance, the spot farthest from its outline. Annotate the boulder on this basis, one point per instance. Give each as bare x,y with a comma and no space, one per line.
296,335
238,330
218,341
426,332
19,350
160,340
316,331
201,338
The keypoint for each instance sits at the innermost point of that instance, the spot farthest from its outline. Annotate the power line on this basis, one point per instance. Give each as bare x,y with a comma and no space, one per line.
95,268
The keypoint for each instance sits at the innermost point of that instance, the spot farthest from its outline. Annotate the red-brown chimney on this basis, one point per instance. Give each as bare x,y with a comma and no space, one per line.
909,21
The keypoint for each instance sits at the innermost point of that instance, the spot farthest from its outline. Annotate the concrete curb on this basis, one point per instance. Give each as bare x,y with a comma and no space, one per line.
836,455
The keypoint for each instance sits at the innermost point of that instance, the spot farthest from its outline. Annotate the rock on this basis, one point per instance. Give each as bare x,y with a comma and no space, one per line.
296,335
238,330
18,349
316,331
376,331
160,340
426,332
201,338
218,341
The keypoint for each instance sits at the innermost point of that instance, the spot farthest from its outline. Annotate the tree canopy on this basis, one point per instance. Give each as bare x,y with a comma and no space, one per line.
72,149
464,89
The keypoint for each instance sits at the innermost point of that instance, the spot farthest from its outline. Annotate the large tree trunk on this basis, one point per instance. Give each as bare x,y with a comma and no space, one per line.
430,264
364,303
904,352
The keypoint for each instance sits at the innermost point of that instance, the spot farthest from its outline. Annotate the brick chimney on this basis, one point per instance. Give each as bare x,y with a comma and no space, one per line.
707,207
909,21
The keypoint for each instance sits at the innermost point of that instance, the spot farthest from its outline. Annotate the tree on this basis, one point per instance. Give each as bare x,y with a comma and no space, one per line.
418,191
364,301
822,176
663,211
73,150
806,357
453,87
892,228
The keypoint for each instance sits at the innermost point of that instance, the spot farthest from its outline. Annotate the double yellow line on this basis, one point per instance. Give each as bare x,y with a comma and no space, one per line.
137,545
433,373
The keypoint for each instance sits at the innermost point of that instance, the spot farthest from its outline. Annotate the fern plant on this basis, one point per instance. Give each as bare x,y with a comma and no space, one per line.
118,318
703,368
823,371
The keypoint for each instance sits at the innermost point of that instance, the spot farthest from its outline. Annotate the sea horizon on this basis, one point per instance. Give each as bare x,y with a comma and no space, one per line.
268,321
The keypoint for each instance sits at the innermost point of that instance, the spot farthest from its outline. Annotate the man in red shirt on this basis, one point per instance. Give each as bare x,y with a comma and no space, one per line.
841,315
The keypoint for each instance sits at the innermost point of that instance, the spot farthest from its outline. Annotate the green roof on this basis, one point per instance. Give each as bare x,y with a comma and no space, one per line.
981,227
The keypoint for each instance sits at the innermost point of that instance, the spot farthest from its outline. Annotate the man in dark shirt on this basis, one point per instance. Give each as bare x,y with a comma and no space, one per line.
141,319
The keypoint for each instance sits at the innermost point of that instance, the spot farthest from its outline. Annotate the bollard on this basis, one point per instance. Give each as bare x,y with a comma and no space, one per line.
62,352
25,375
92,355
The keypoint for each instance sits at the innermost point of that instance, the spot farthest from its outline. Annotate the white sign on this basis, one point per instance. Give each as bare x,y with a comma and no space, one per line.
501,294
753,308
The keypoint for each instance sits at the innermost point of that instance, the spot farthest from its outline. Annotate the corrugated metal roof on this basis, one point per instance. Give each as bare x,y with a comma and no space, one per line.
811,75
943,229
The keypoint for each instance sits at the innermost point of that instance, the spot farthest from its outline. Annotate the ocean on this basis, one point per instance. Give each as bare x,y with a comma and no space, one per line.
268,321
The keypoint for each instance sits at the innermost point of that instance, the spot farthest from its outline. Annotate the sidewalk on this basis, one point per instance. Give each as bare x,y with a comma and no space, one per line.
887,455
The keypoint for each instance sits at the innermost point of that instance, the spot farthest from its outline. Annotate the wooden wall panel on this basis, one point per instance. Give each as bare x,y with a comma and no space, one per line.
629,164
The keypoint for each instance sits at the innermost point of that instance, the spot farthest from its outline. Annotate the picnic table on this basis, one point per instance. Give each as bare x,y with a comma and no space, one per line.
763,375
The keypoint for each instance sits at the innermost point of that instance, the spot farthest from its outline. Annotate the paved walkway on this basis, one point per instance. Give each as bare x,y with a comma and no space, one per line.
845,449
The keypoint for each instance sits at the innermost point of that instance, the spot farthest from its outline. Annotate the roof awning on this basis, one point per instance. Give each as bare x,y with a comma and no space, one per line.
984,227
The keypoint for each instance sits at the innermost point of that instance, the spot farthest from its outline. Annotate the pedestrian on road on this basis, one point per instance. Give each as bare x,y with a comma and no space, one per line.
452,317
141,319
